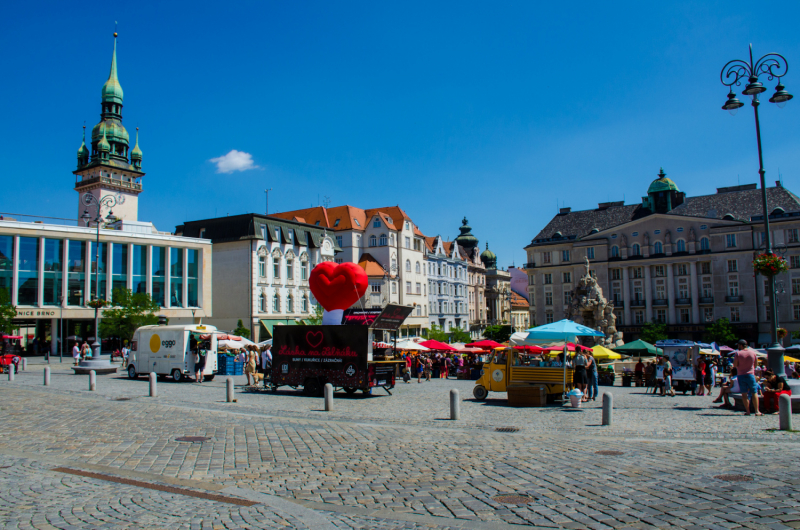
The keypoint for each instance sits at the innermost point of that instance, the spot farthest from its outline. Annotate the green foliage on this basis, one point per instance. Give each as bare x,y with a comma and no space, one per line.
499,333
653,332
720,332
7,313
459,335
316,320
437,333
128,312
241,330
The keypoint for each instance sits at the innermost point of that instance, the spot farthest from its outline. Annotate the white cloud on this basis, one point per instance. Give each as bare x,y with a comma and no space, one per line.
234,161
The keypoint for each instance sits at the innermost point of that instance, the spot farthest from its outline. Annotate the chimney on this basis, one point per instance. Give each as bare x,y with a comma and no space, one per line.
564,211
778,184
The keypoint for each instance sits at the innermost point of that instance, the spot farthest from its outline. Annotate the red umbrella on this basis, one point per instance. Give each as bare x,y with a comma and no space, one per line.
436,345
485,344
571,347
530,349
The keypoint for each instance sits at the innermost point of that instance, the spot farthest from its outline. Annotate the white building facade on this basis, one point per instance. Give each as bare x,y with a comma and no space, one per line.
448,282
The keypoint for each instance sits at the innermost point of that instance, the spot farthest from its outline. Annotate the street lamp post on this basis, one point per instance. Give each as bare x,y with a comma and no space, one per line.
91,201
773,66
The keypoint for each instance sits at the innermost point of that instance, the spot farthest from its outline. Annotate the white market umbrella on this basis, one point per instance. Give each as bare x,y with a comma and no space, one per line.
265,343
410,345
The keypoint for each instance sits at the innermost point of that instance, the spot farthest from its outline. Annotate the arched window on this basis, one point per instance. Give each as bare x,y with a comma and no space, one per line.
615,251
289,304
373,241
658,248
262,303
408,265
418,269
276,303
636,250
681,245
383,240
704,244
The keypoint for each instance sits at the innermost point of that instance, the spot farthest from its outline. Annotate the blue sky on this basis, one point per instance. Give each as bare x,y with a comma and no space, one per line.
500,111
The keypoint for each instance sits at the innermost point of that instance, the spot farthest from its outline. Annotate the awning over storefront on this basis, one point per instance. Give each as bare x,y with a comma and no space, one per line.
269,325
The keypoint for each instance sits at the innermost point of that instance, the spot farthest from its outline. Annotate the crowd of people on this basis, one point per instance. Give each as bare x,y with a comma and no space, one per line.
437,365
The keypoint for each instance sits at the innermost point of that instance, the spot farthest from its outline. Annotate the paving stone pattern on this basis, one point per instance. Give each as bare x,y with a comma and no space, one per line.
393,455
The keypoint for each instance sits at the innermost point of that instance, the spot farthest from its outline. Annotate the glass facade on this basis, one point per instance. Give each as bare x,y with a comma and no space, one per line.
53,271
76,272
139,272
159,266
28,264
193,257
7,263
119,267
99,270
176,277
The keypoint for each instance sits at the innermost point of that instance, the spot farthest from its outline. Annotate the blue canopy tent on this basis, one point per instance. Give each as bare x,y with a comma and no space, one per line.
564,330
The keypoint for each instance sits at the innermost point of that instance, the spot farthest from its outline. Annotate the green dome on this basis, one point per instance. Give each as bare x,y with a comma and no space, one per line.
488,258
662,183
136,154
103,144
82,150
114,132
112,90
466,239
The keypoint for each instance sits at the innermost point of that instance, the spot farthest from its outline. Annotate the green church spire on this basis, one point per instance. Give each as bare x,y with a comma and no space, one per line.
83,152
136,154
112,90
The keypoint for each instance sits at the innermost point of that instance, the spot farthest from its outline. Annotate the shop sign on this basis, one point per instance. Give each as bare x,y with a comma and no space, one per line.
392,317
360,317
22,313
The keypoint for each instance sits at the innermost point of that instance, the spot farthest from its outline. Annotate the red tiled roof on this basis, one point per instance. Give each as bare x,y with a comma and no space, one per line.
518,301
371,266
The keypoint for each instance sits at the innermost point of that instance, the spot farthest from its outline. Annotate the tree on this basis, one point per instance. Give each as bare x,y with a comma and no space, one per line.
7,313
128,312
316,320
499,333
241,330
437,333
459,335
653,332
720,332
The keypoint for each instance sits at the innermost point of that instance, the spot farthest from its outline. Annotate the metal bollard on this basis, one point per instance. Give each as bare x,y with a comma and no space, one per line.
24,364
46,376
92,380
153,388
11,371
328,397
229,389
455,405
785,412
608,407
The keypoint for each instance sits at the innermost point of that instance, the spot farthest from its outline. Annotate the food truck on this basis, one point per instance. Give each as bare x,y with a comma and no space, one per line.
311,356
507,366
681,354
166,350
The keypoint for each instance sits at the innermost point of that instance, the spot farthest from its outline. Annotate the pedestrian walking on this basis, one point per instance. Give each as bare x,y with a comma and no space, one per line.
591,373
745,364
76,354
250,367
668,380
428,369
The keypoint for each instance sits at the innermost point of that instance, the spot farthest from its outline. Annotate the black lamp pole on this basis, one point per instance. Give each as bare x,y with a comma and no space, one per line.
774,66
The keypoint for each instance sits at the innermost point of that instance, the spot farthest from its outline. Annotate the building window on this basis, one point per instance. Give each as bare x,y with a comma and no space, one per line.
373,241
383,241
794,262
564,256
616,274
262,303
276,303
705,268
303,270
733,286
735,314
548,279
730,240
376,288
684,315
661,290
708,314
159,271
708,291
567,297
305,304
339,239
262,266
615,251
636,250
408,242
408,265
795,286
637,272
681,246
661,316
638,317
548,317
567,277
408,287
548,298
590,252
616,293
419,288
660,271
682,269
276,267
733,265
658,248
418,268
637,292
139,271
192,272
704,244
376,223
394,288
289,303
791,236
545,257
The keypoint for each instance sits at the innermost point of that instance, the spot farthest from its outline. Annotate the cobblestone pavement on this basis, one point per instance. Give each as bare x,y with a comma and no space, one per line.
383,461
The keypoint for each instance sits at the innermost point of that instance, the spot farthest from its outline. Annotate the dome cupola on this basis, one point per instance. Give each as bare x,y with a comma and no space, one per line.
136,154
489,258
663,194
466,239
83,151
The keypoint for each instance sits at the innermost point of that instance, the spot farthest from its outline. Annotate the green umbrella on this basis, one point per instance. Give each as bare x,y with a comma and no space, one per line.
638,347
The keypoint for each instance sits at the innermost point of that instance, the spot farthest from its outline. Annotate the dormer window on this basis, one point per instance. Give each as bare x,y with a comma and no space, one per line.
336,223
376,223
356,221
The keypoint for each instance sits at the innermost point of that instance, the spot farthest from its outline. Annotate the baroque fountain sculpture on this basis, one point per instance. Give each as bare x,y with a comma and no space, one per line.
589,307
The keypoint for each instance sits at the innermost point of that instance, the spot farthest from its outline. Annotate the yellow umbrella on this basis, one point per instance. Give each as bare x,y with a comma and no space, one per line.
601,352
790,359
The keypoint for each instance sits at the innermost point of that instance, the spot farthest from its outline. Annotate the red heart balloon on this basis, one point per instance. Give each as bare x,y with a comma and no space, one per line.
338,286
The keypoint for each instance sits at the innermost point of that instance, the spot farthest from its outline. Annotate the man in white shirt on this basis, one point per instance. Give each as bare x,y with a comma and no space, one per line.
76,354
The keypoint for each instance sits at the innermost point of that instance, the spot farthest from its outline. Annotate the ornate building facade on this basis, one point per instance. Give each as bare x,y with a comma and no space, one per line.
447,268
476,280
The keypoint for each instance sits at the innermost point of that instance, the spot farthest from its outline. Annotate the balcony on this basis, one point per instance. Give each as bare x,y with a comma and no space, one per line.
734,299
618,302
683,301
119,183
530,265
706,300
660,302
638,303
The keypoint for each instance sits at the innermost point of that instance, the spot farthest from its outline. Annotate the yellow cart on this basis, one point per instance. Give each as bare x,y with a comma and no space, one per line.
508,366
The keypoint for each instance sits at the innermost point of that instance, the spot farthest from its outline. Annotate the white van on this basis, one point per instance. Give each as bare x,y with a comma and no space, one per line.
165,350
